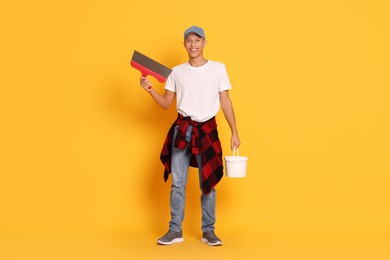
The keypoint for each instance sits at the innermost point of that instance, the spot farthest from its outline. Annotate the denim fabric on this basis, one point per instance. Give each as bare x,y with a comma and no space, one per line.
180,163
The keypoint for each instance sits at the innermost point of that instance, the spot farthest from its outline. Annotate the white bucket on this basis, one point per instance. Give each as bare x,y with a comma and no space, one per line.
236,165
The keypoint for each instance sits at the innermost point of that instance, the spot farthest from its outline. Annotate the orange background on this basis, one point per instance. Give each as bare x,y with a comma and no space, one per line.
80,174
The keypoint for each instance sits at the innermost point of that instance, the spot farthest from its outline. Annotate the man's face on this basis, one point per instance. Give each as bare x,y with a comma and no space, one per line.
194,45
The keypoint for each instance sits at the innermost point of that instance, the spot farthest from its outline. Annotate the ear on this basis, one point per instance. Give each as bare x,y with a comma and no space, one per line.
205,43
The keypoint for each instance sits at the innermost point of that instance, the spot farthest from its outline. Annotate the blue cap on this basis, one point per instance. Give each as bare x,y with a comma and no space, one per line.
195,29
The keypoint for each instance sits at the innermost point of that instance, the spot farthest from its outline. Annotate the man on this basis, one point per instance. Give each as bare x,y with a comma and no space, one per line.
201,88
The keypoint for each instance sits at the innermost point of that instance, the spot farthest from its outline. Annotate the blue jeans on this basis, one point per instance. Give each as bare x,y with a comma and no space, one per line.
180,162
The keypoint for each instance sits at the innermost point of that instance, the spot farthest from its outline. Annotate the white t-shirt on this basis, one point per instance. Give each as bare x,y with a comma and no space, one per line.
197,89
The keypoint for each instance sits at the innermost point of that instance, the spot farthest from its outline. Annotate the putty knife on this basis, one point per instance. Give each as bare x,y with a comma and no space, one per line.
147,66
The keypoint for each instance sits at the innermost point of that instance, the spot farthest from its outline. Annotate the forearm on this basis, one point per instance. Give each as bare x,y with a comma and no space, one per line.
164,101
159,99
228,112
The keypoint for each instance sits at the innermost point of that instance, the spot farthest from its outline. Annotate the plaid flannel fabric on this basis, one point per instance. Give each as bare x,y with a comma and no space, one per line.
204,141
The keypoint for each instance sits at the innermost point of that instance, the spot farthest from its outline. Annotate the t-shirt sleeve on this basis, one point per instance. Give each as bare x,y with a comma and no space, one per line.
224,82
170,84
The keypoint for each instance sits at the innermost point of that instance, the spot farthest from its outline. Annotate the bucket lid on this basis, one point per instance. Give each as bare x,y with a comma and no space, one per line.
234,159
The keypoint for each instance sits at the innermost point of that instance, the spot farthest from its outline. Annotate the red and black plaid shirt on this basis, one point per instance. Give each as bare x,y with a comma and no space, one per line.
204,141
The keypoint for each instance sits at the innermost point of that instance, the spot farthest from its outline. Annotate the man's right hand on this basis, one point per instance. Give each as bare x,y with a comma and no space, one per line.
145,84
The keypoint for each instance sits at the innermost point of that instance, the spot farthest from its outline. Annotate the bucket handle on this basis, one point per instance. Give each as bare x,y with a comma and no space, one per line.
234,151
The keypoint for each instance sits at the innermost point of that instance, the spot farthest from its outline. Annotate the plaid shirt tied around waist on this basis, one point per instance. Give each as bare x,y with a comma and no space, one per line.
204,141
